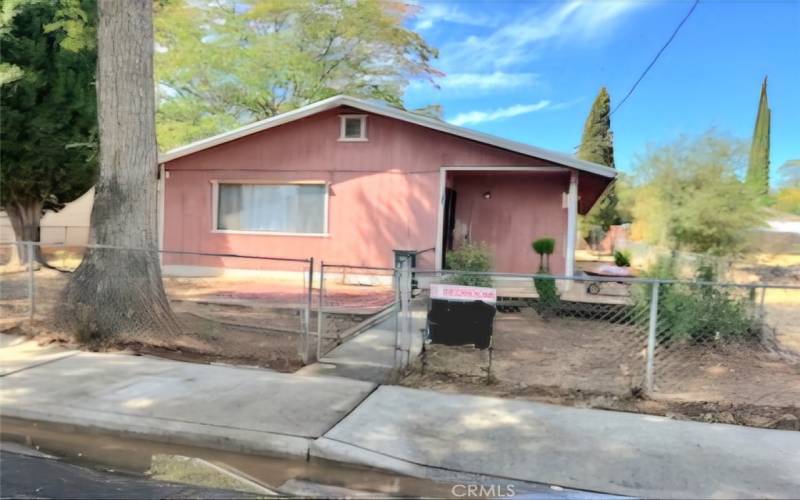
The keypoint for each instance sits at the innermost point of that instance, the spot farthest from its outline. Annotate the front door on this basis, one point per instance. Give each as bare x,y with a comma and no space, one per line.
449,222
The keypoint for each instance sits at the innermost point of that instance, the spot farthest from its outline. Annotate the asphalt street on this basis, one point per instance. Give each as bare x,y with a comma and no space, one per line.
37,476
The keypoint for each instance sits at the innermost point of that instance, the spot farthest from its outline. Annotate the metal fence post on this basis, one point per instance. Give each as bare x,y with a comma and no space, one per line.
31,279
405,297
307,329
398,307
320,312
651,338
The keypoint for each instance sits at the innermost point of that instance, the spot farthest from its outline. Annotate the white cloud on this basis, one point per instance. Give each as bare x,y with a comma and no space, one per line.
475,117
431,14
480,82
488,81
523,39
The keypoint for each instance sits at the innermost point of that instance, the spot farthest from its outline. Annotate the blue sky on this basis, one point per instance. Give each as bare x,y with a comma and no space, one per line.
529,70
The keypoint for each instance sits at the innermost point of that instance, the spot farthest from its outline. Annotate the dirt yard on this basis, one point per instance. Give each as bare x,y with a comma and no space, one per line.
255,322
585,363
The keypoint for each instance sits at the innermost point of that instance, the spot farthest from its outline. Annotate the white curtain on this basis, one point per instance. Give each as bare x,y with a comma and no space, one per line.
287,208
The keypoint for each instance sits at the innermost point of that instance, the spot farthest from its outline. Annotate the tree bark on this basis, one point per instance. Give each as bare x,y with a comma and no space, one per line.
115,292
25,218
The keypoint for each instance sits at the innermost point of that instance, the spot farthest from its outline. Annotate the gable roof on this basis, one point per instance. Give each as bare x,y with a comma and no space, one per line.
406,116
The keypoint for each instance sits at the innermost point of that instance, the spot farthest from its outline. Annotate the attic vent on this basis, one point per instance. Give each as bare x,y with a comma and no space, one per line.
353,128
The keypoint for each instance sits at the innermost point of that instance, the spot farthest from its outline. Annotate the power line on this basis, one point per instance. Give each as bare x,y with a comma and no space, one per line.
653,62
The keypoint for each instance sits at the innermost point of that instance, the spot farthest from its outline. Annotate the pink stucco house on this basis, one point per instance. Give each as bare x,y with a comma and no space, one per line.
348,181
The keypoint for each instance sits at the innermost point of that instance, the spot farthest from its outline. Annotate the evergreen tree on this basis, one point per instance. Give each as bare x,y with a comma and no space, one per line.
597,145
47,109
758,165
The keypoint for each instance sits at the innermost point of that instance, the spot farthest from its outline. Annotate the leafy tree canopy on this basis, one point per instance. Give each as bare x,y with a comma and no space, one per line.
688,196
224,63
787,199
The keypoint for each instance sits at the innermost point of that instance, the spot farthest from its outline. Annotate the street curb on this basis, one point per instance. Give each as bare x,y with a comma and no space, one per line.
166,430
340,452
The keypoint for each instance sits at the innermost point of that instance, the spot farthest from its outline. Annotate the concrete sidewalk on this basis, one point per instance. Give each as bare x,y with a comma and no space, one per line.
18,353
237,409
420,433
442,436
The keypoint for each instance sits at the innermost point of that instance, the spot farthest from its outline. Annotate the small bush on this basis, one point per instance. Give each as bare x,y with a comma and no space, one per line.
702,313
549,299
698,313
622,258
474,258
544,247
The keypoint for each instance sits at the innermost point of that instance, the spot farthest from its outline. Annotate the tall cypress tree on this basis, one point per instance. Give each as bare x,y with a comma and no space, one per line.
758,166
597,145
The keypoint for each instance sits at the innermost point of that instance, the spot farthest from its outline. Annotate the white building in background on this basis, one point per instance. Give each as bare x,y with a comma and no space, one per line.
69,226
784,226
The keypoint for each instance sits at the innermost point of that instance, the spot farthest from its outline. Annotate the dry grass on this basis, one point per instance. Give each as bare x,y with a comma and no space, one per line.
587,362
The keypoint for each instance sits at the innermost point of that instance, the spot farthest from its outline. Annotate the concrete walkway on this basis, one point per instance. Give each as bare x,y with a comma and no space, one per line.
372,355
368,356
421,433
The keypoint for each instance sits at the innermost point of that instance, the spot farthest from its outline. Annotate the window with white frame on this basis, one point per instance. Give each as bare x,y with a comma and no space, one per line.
353,128
272,208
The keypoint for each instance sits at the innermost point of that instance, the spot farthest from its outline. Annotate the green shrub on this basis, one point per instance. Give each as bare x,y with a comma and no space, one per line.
474,258
702,313
622,258
698,313
549,300
544,247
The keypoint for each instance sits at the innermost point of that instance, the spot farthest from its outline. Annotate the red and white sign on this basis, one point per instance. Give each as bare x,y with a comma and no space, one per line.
463,293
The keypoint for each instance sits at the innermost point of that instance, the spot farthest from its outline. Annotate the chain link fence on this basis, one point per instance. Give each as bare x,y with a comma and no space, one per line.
686,341
349,299
15,286
214,307
575,339
51,234
725,342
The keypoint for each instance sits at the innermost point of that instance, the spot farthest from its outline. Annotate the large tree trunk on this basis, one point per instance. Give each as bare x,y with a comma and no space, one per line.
25,218
119,292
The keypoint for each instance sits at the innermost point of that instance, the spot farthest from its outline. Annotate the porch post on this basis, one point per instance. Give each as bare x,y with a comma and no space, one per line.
440,219
572,223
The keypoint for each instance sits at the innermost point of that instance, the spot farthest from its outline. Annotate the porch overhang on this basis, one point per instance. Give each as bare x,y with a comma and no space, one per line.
578,192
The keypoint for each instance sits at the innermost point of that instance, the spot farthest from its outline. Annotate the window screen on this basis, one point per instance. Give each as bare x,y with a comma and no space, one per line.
286,208
352,128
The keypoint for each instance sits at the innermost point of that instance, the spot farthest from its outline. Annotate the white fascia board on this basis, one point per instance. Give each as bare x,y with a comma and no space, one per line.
424,121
